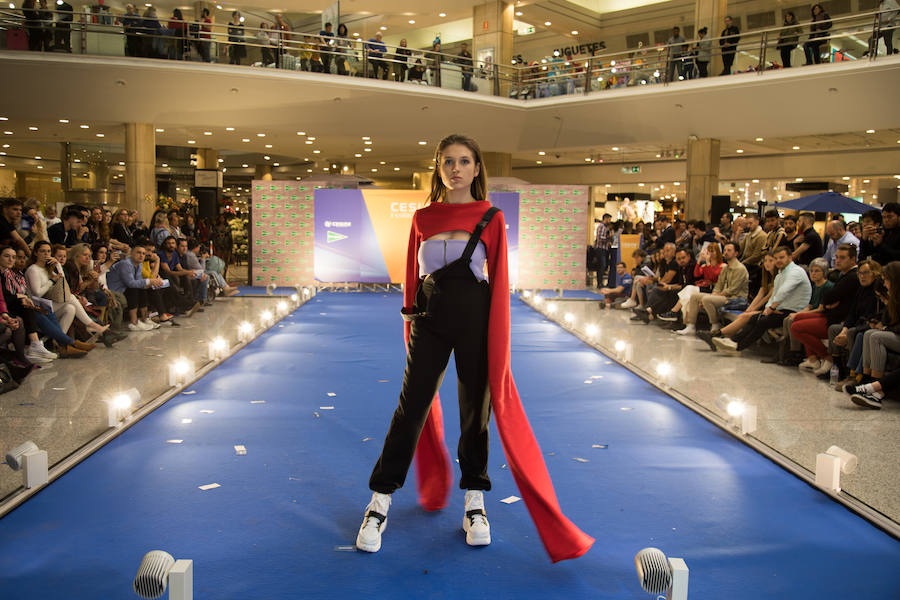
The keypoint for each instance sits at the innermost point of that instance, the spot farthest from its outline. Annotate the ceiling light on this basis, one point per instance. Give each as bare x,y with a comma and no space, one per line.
32,128
317,151
100,135
365,137
615,148
221,160
382,163
229,129
383,28
396,168
276,164
245,139
374,170
740,151
442,15
266,157
121,163
574,32
63,120
165,166
845,178
759,139
870,131
42,166
354,35
311,137
268,145
367,149
244,165
78,160
547,23
422,142
37,158
518,13
756,181
207,133
357,155
260,135
85,126
309,141
542,153
412,22
587,159
796,147
159,130
866,180
540,162
5,118
192,142
798,179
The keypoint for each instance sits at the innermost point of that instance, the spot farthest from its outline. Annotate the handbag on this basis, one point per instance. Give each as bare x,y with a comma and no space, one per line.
57,291
430,296
7,381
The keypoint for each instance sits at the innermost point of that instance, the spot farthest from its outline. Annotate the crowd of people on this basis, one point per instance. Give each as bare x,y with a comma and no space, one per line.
830,307
91,277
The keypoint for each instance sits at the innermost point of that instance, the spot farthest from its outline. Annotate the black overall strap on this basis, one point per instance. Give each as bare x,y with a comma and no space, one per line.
476,235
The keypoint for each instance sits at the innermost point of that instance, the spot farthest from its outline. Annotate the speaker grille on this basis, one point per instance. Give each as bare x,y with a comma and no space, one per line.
152,576
653,570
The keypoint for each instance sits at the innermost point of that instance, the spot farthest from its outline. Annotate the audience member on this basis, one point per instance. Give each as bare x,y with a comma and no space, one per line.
865,307
731,288
789,347
622,288
178,277
808,245
9,224
71,229
838,234
125,277
818,29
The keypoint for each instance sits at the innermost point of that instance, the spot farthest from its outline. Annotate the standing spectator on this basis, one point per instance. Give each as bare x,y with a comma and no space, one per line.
752,248
838,235
46,25
62,30
32,24
9,224
774,230
153,34
265,41
434,63
677,47
203,37
376,49
160,230
731,35
791,236
601,248
343,47
401,55
223,242
808,245
131,24
790,292
703,52
282,34
327,47
178,30
818,34
666,234
788,38
236,48
465,60
887,21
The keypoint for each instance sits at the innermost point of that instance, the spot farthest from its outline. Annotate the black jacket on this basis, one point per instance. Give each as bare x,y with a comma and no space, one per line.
843,293
864,306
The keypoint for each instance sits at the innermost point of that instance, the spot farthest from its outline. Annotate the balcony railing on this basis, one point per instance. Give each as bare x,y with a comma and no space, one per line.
848,38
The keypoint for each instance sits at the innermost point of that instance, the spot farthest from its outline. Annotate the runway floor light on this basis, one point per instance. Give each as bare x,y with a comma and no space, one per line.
740,414
551,307
306,292
180,370
218,347
569,318
120,406
538,300
592,330
623,350
829,466
661,575
245,331
158,571
295,298
32,461
282,307
664,373
526,294
270,289
266,318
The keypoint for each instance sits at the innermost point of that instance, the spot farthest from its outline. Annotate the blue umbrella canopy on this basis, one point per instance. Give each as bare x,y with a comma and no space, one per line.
826,202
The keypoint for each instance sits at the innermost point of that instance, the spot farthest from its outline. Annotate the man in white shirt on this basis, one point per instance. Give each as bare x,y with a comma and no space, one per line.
837,235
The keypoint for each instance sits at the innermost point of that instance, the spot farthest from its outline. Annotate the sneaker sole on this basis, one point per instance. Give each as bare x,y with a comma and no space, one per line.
860,400
360,545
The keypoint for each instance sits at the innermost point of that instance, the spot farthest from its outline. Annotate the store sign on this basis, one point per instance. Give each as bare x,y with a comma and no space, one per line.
630,170
583,49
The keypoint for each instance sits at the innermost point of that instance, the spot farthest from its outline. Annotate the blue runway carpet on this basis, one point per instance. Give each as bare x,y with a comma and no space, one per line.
284,519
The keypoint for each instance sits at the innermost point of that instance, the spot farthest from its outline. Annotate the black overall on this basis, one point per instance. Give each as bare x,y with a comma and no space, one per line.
461,327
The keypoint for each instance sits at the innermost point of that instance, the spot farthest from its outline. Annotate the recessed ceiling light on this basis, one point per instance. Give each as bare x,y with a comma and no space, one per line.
301,133
587,159
78,160
615,148
191,142
244,166
422,142
85,126
260,135
276,164
547,23
354,35
367,149
383,28
796,147
442,15
159,130
207,133
166,165
121,163
37,158
740,151
374,170
266,157
870,131
311,137
396,168
63,120
518,13
221,160
759,139
42,166
798,179
229,129
100,135
365,137
317,151
574,32
245,139
541,153
382,163
412,21
32,128
866,180
358,155
540,162
756,181
309,141
268,145
4,118
845,178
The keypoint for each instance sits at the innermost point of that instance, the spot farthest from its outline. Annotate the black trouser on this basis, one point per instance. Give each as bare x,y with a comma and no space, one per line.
462,330
136,298
341,63
812,51
757,326
702,68
661,301
727,61
786,56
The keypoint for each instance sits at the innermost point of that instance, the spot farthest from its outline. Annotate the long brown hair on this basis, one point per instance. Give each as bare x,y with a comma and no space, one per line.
891,272
479,184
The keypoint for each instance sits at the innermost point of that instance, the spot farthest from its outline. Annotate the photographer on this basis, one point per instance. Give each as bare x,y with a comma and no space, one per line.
878,242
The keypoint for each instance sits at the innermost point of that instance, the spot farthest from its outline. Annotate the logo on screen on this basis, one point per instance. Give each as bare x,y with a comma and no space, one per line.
334,236
338,224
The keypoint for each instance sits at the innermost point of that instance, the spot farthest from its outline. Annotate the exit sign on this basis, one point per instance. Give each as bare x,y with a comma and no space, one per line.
634,169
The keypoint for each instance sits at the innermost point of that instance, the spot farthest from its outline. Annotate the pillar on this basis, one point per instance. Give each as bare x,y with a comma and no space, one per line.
498,164
711,14
702,177
207,158
140,169
492,32
264,172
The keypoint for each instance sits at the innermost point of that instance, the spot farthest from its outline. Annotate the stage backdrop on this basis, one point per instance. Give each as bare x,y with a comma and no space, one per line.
281,233
553,222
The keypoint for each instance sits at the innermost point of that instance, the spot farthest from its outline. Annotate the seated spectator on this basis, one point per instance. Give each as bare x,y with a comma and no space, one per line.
789,348
774,231
33,319
665,270
126,277
178,277
877,242
759,301
81,277
160,229
71,229
189,262
753,247
731,288
622,288
706,272
9,224
791,292
864,308
808,244
214,267
868,358
120,230
664,296
810,329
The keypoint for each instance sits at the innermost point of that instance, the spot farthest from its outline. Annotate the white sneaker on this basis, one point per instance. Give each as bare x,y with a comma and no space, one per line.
137,327
475,523
147,324
689,329
725,344
810,364
630,303
374,523
37,349
34,357
824,367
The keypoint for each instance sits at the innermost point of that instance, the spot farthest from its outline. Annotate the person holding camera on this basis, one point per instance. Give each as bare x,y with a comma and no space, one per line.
452,305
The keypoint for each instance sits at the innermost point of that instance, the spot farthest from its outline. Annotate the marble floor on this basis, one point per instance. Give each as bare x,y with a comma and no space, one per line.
62,406
798,415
